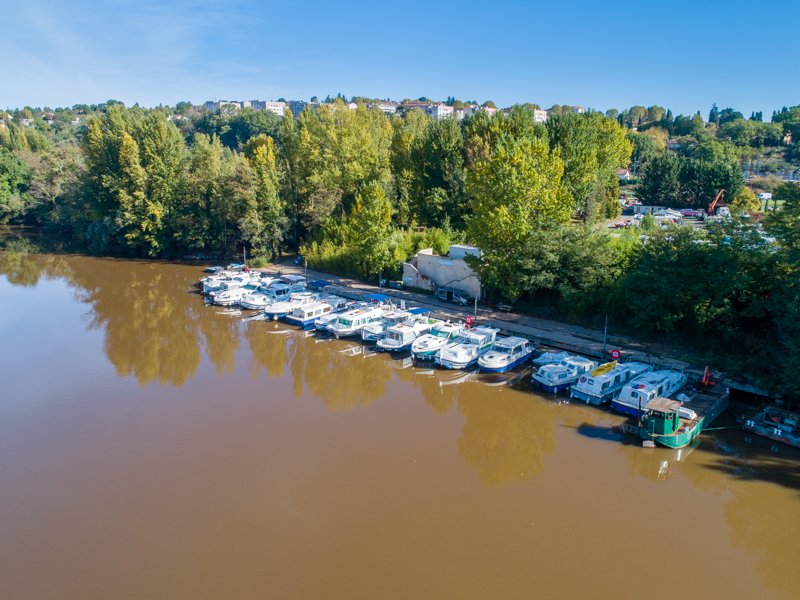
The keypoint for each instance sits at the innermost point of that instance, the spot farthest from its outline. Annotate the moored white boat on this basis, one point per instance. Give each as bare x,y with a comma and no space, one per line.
232,296
377,329
605,382
426,346
280,309
305,316
560,376
550,358
465,351
505,354
640,390
400,337
351,322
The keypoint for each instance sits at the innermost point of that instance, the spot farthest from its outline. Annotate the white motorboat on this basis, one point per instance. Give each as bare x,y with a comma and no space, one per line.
648,386
281,308
351,322
606,381
505,354
377,329
426,346
560,376
550,358
305,316
259,299
232,296
465,351
400,337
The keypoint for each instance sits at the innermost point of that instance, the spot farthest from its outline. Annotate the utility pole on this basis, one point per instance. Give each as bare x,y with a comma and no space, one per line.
305,268
605,335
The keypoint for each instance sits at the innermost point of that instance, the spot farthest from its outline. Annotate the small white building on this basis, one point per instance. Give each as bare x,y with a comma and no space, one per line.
429,271
275,107
540,116
441,111
387,106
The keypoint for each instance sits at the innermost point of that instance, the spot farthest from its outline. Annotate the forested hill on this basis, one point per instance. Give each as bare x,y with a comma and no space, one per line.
359,192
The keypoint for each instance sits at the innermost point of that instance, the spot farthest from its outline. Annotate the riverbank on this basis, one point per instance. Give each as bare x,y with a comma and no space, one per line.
544,332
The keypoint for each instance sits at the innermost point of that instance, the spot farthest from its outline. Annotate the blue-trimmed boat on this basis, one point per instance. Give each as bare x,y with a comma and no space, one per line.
606,381
506,353
636,394
558,377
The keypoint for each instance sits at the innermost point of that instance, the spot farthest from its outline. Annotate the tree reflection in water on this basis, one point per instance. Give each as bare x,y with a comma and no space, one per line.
507,433
338,372
269,352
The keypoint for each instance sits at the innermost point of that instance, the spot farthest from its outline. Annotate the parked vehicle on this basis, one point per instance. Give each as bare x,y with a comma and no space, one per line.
448,294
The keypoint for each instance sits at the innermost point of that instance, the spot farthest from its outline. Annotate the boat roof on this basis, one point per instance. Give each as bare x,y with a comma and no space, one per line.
293,278
663,405
418,310
376,297
312,306
319,283
509,342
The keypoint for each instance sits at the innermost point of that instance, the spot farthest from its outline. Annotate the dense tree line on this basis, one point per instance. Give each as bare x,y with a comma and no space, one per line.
359,192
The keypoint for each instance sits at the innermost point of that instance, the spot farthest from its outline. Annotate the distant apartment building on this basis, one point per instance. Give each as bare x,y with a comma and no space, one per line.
296,106
387,106
275,107
218,105
578,109
440,111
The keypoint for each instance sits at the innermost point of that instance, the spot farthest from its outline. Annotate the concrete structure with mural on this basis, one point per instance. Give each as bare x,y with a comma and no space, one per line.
429,271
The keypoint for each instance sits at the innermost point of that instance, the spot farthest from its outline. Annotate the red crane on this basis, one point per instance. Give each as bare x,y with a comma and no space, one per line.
719,199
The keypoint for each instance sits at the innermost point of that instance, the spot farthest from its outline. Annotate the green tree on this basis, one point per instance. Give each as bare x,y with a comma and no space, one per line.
14,180
660,183
515,191
369,225
592,147
269,228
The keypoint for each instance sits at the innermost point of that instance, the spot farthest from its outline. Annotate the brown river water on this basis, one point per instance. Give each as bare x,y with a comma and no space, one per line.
153,447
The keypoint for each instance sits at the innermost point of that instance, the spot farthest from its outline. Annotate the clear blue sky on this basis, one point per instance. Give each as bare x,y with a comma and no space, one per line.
682,55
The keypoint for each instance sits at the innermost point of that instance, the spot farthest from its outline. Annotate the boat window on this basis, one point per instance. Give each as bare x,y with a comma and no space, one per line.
605,385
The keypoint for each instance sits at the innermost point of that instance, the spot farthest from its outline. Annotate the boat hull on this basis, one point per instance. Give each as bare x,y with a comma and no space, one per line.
631,411
394,349
503,368
303,324
591,398
551,388
449,363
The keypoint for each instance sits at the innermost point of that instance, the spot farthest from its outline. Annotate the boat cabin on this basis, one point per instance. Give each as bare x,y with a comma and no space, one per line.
662,416
311,311
513,346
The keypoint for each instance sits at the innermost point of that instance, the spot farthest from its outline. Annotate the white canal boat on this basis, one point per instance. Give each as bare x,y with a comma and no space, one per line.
400,337
606,381
426,346
281,308
465,351
639,391
351,322
377,329
560,376
505,354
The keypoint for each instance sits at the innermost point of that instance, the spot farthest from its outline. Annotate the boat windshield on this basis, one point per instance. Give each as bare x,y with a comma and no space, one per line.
345,322
397,336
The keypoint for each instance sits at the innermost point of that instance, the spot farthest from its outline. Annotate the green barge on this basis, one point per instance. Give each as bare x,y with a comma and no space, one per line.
667,423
